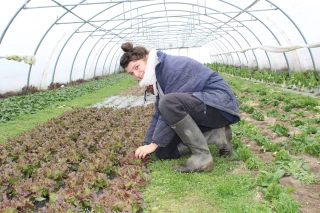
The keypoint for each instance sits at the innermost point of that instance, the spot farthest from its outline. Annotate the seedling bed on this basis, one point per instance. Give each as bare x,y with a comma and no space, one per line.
80,161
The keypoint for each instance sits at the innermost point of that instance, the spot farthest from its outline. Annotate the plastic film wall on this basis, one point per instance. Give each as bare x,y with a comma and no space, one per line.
81,39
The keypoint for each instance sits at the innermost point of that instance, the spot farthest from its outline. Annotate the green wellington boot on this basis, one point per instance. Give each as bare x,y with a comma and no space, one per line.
201,159
221,137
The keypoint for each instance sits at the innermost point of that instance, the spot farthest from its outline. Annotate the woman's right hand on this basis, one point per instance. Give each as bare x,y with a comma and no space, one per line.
143,151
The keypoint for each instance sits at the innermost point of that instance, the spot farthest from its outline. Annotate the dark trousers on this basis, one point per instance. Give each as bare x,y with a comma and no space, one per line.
174,107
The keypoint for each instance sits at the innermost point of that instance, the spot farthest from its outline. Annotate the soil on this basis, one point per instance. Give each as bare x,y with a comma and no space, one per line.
267,157
313,162
307,194
135,90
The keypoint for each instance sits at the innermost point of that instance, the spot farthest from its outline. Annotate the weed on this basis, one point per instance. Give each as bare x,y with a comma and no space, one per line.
257,115
273,113
247,108
313,148
286,108
280,129
266,178
254,162
283,155
285,204
309,129
244,153
271,147
301,114
296,122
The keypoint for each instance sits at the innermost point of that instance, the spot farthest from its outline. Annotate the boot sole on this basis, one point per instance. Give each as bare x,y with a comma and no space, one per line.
183,168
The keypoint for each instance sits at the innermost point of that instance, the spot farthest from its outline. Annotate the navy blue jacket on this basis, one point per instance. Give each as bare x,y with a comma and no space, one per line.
186,75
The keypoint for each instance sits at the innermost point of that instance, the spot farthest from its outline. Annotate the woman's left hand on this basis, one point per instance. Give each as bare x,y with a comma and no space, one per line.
142,151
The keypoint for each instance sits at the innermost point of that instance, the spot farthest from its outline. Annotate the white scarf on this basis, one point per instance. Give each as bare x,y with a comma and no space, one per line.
150,72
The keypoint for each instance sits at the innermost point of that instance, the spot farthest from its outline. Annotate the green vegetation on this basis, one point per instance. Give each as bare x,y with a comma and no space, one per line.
269,177
288,105
291,80
247,108
257,115
280,129
30,104
28,121
219,191
230,187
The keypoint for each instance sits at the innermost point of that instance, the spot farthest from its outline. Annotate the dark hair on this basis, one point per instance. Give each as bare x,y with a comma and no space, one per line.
131,54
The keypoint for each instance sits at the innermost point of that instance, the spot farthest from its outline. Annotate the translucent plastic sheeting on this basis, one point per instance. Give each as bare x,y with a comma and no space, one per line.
81,39
274,49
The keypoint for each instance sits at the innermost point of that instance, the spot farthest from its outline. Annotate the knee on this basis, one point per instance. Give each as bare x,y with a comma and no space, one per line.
168,104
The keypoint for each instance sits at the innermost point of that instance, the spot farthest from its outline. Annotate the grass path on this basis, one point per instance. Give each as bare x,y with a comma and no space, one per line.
226,189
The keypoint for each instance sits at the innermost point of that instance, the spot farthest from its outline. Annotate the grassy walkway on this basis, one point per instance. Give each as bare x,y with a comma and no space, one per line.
228,188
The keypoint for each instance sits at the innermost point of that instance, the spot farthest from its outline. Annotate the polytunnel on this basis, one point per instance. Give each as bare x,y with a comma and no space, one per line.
81,39
138,106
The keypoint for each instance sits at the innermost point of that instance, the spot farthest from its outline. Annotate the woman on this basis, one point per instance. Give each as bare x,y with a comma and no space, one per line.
190,99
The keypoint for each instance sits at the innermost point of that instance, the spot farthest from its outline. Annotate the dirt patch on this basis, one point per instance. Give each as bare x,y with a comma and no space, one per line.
259,196
279,139
135,90
240,169
253,103
257,150
307,194
313,162
312,115
292,116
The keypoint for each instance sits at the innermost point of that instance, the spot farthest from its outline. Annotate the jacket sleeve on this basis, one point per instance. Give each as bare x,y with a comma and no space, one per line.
163,133
158,131
152,124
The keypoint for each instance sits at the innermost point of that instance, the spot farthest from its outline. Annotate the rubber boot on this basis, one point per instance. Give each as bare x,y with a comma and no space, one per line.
201,159
183,149
221,137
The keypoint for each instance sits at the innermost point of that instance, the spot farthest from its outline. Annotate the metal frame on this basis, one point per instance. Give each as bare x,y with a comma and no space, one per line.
133,36
201,29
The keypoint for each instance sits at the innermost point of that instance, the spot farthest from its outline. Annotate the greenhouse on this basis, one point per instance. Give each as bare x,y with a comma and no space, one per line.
79,106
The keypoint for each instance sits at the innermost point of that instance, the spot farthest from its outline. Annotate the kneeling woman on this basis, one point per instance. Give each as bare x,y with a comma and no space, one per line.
194,107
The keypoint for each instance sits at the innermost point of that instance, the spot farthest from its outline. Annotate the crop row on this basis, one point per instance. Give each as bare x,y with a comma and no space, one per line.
80,161
289,110
284,163
11,107
277,196
290,80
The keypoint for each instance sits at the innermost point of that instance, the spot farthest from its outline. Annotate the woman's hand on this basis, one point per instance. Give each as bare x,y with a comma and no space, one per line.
142,151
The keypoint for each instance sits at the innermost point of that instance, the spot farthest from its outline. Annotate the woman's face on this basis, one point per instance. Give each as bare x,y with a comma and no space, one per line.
137,68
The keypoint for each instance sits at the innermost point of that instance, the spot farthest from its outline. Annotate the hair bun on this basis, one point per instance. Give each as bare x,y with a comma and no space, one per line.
127,47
